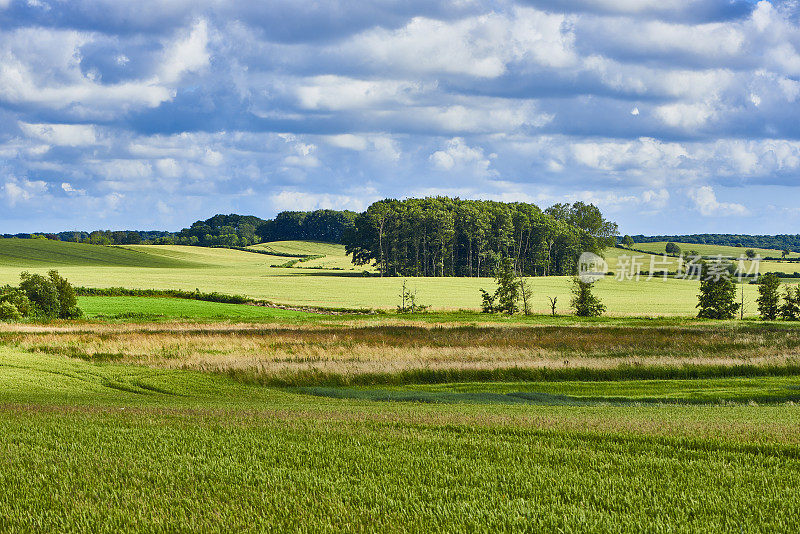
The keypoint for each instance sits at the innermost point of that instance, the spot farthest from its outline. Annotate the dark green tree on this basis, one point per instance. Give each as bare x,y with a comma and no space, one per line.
584,302
750,253
628,241
507,287
68,302
768,297
717,298
673,249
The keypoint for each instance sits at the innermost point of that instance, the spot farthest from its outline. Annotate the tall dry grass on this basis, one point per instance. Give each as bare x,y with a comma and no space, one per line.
277,353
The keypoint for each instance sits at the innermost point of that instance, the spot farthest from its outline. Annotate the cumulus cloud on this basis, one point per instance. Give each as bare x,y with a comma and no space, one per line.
705,201
459,156
17,191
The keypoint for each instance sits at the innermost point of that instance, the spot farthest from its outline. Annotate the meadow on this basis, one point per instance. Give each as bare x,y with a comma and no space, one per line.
166,414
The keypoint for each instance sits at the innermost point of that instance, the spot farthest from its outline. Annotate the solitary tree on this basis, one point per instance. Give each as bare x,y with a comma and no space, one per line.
768,297
672,249
784,253
584,302
717,298
628,241
750,253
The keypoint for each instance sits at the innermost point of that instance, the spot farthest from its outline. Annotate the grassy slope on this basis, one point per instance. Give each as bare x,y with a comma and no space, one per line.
335,257
25,253
119,448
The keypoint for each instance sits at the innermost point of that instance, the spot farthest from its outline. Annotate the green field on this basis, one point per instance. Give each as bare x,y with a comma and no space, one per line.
107,447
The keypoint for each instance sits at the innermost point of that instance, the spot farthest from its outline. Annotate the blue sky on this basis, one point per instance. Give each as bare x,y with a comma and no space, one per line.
674,116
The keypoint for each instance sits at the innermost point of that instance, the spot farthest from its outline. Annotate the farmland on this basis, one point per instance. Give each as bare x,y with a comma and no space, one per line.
167,414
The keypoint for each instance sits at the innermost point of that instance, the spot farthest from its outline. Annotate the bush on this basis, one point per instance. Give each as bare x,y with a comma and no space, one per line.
51,297
790,309
584,302
507,294
16,298
43,295
9,312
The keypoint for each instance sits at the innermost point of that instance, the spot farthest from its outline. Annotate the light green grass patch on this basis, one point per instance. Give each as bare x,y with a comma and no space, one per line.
155,307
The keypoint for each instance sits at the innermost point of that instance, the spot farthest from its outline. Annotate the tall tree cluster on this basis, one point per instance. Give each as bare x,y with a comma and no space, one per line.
441,236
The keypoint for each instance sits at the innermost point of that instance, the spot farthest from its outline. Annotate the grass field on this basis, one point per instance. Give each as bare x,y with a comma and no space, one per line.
28,253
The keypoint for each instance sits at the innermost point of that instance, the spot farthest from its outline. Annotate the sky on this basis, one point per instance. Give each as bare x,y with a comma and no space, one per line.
673,116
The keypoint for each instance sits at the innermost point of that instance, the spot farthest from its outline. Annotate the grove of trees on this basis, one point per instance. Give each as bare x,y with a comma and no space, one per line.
444,236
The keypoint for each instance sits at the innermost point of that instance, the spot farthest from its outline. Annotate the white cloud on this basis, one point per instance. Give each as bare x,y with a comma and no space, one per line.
67,188
185,54
17,191
457,155
61,134
342,93
685,116
304,201
705,201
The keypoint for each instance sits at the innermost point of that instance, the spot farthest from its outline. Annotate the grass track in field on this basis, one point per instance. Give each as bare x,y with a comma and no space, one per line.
699,391
142,308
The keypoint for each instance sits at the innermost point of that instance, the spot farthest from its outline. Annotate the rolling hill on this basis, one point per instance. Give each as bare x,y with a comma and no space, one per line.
29,253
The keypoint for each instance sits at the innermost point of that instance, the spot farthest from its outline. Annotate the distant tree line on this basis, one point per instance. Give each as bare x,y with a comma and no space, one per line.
775,242
98,237
452,237
244,230
223,230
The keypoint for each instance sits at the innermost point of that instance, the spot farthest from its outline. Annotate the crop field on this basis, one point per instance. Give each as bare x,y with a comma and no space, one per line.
312,284
185,426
